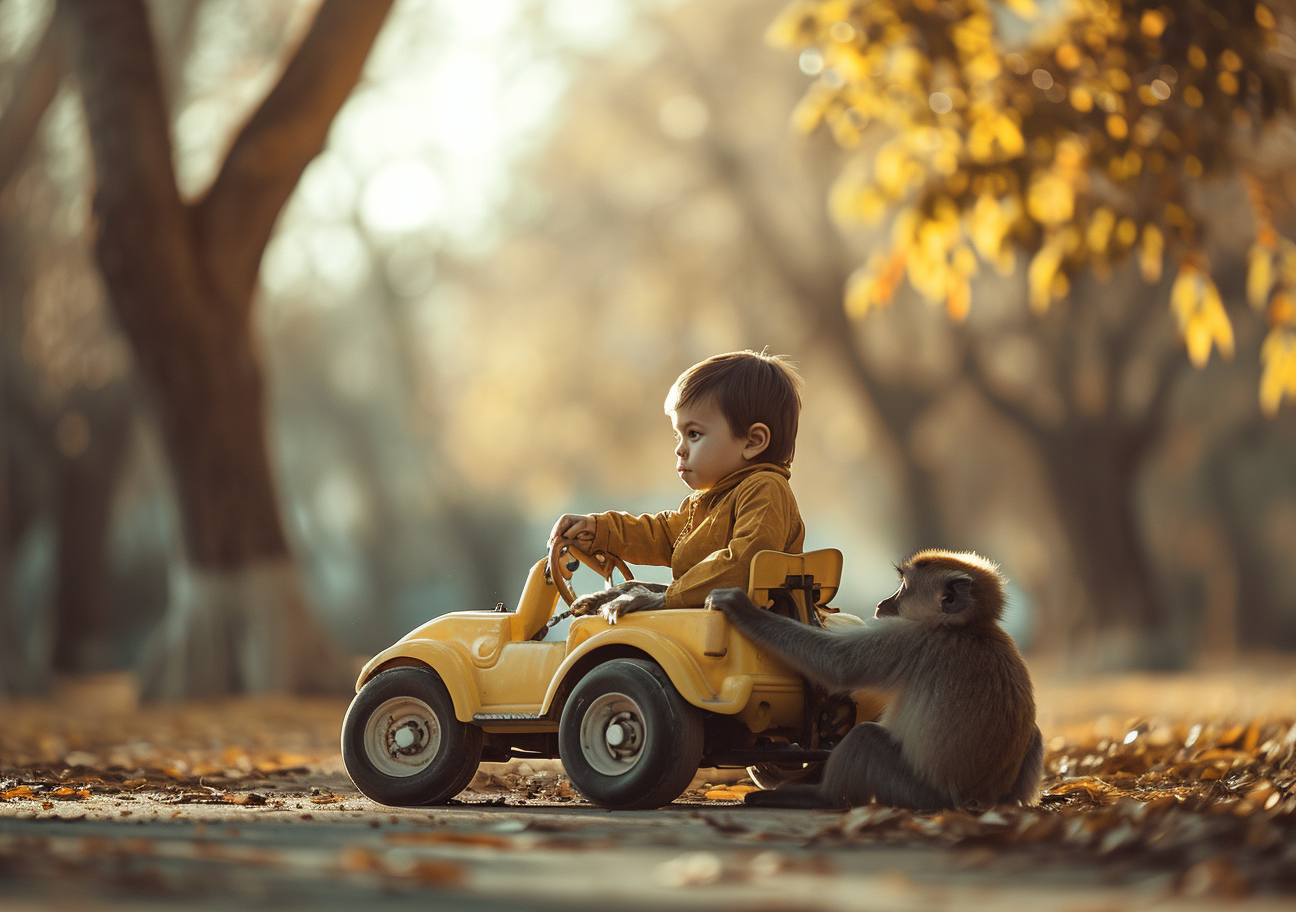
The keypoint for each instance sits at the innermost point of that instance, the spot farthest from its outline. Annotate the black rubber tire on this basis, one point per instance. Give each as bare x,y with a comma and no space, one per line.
432,780
671,729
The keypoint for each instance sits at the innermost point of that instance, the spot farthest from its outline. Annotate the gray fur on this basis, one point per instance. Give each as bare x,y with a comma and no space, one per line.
960,728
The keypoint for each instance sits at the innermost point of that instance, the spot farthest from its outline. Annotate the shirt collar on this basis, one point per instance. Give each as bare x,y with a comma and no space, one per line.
732,480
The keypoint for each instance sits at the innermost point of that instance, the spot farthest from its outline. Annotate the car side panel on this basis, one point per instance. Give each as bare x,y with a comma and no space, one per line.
518,682
736,681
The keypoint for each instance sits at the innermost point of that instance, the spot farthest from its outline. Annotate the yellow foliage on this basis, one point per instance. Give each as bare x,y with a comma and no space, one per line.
1151,252
1068,56
1040,274
1120,108
873,284
993,135
787,30
845,131
810,110
1153,23
1051,198
1259,274
860,291
989,225
1197,306
1285,262
1099,233
958,300
895,171
1278,380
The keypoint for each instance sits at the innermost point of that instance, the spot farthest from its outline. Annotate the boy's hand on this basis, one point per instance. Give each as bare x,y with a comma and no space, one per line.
577,528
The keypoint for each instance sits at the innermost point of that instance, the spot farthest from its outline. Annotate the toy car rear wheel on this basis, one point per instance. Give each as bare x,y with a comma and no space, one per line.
627,739
401,742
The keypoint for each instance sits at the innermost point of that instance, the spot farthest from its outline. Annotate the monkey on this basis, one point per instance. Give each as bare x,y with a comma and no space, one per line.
960,727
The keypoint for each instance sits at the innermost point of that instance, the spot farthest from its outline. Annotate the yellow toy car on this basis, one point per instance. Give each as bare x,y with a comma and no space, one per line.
632,709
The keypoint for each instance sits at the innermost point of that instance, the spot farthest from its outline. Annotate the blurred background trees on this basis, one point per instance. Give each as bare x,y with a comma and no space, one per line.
528,217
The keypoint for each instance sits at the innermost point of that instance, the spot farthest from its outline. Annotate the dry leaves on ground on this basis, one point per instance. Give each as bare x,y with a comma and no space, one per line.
1212,801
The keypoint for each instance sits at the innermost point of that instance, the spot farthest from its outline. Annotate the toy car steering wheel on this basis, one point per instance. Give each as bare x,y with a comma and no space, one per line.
601,562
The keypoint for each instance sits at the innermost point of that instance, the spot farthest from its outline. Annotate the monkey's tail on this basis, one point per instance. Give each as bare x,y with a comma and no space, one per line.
1026,790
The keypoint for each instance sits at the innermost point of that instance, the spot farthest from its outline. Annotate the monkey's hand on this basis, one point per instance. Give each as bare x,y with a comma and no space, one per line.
593,602
731,601
638,598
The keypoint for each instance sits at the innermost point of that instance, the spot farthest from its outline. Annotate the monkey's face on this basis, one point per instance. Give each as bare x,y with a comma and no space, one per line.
932,593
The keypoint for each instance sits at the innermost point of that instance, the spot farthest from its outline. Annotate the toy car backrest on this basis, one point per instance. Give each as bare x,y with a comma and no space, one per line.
777,576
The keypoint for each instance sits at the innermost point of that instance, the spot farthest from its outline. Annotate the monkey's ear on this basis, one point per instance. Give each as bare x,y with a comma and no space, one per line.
957,595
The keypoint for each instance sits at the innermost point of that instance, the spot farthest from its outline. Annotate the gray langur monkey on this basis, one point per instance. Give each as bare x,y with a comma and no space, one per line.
960,727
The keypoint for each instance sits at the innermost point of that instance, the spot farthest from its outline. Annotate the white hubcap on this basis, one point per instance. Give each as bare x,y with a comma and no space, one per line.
402,737
612,734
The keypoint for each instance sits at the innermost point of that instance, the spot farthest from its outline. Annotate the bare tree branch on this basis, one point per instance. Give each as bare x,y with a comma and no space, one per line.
235,219
33,94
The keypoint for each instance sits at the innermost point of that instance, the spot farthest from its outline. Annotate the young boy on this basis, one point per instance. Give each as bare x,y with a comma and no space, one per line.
735,418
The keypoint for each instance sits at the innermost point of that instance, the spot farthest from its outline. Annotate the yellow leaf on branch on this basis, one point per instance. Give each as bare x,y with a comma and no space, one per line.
1259,275
1151,251
958,298
1200,313
1098,234
1051,199
1044,278
1278,378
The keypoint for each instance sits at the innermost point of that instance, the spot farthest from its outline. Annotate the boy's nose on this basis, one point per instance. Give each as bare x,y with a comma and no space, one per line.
680,449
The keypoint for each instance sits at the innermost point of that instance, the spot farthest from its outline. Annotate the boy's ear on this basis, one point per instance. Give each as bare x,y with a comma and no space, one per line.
758,439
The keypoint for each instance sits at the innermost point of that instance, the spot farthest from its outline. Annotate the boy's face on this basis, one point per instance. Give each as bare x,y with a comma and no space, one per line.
706,450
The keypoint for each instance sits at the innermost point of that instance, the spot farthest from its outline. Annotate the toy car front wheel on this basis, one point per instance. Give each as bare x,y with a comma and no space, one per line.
401,742
627,739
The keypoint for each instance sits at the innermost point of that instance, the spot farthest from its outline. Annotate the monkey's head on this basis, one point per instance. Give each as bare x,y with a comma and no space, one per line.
947,588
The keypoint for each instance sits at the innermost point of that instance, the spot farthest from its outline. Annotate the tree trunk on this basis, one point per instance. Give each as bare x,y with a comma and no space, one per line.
1093,469
181,279
86,484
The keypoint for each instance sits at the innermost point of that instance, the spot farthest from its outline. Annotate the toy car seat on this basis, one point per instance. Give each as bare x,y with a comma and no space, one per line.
798,586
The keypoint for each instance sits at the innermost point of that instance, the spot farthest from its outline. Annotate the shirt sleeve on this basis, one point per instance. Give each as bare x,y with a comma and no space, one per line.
764,514
645,539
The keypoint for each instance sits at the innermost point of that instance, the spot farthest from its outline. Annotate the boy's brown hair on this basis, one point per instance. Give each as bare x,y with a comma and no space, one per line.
748,387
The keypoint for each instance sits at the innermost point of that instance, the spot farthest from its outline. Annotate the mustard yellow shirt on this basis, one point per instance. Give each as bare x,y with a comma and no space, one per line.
709,542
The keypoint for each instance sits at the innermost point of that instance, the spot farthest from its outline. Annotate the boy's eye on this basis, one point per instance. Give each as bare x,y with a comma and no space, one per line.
693,435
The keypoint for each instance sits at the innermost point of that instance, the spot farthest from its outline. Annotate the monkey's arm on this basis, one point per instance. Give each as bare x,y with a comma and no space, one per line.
593,602
839,660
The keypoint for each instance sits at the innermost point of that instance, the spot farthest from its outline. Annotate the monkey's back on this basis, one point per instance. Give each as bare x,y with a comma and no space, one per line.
966,714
